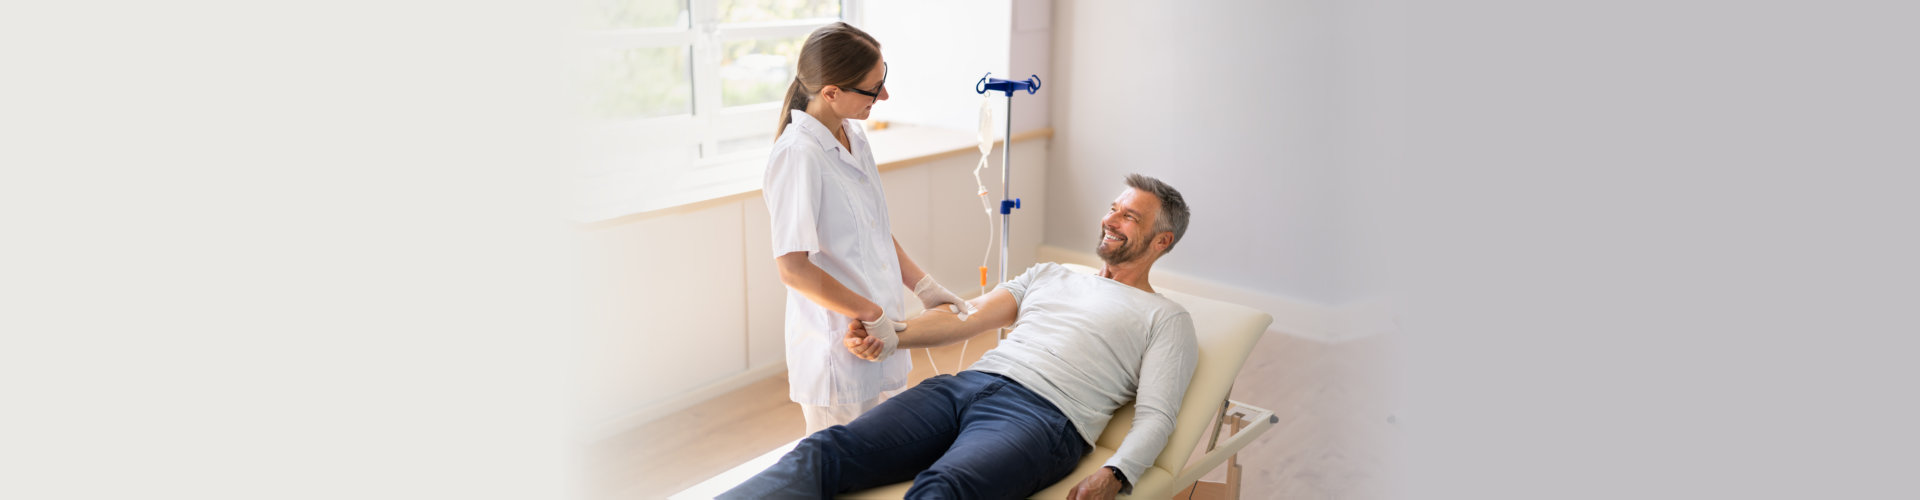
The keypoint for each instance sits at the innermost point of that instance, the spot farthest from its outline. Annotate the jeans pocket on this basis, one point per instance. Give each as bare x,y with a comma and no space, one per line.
1068,448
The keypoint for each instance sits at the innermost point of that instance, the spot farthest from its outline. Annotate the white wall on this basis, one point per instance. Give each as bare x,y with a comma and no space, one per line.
938,50
685,302
666,295
1234,103
1369,141
1031,54
935,52
1660,246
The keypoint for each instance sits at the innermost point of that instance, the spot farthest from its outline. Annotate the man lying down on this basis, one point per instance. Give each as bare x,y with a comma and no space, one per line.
1021,418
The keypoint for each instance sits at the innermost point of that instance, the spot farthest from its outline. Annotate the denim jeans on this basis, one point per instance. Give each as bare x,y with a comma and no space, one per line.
972,435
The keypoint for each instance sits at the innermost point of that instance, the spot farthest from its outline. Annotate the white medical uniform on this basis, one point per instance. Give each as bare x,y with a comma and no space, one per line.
827,201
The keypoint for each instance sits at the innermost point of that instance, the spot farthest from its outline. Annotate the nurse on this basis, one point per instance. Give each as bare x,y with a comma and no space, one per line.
832,240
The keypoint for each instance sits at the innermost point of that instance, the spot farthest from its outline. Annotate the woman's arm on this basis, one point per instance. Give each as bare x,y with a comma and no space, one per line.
816,285
910,273
931,294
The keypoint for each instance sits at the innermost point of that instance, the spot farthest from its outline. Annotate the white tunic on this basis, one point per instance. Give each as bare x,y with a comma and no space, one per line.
827,201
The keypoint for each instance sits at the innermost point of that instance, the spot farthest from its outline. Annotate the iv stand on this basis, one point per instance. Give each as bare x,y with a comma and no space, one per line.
1007,204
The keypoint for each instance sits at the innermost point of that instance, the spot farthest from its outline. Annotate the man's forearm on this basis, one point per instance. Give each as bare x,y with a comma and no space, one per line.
938,327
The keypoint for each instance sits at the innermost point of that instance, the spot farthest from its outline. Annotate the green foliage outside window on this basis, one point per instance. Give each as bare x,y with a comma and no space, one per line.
642,83
757,71
657,81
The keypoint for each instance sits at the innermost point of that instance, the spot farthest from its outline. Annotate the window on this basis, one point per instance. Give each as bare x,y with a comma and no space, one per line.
684,94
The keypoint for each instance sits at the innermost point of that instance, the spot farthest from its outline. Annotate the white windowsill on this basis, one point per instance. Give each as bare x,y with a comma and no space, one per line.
613,196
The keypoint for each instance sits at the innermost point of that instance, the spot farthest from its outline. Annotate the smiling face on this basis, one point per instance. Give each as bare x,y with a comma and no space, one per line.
1126,233
854,105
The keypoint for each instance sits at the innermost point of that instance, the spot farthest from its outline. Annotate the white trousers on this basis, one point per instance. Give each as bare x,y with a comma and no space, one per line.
821,417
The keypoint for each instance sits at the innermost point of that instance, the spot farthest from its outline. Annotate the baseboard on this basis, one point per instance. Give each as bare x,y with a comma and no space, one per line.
615,426
1295,317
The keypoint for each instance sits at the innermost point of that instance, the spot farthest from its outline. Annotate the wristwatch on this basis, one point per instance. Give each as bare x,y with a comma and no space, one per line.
1117,475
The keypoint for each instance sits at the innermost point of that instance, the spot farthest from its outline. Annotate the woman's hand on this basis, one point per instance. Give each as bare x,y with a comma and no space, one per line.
933,295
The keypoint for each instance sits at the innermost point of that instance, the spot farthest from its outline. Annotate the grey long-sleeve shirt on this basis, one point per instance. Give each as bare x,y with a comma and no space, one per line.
1089,345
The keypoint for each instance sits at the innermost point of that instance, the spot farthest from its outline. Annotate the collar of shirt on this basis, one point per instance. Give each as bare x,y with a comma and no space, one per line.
818,131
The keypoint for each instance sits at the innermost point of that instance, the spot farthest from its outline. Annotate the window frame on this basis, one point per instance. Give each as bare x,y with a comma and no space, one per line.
612,188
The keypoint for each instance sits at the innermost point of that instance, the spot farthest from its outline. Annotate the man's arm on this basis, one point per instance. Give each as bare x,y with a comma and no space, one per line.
938,327
1100,485
1165,371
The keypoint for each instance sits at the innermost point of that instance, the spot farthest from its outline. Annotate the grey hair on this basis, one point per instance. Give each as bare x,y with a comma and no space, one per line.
1173,207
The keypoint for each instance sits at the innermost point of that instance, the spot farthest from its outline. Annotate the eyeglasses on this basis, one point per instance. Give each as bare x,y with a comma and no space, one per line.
877,89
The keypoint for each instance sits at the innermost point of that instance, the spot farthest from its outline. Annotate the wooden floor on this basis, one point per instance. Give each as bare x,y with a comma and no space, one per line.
1333,440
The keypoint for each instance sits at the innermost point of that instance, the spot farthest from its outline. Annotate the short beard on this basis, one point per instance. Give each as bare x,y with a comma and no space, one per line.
1127,252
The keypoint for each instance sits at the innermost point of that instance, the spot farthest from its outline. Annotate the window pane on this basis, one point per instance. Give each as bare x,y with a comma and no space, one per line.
746,143
757,71
753,11
632,14
642,83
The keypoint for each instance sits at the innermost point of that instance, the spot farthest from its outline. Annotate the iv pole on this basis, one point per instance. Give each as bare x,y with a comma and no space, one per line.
1007,203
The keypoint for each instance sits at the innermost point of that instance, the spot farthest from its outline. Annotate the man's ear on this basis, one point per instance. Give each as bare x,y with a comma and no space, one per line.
1163,240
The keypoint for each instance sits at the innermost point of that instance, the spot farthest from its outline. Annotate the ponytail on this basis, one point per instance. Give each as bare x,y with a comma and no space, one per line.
836,54
796,99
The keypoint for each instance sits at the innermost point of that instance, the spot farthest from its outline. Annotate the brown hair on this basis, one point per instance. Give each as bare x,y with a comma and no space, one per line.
1173,207
837,54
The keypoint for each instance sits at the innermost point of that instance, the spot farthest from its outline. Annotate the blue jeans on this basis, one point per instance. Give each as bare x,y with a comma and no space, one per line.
974,435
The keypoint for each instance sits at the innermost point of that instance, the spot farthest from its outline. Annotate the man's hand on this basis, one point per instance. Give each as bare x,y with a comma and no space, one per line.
1099,486
873,340
859,343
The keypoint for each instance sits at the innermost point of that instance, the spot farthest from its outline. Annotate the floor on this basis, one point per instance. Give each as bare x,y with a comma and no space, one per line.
1334,438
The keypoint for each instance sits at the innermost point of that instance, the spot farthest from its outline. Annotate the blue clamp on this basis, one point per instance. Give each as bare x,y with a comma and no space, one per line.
1031,85
1007,206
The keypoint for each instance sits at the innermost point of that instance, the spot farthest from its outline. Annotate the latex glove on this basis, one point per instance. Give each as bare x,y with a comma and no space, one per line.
884,330
933,295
